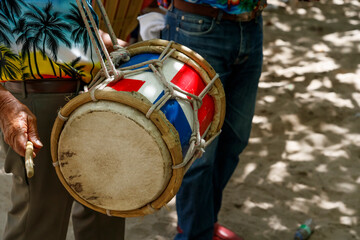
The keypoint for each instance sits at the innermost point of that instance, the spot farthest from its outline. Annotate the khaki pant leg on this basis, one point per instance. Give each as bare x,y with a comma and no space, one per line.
40,205
91,225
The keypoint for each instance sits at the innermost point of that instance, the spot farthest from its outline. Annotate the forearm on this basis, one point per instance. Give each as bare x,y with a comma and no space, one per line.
5,98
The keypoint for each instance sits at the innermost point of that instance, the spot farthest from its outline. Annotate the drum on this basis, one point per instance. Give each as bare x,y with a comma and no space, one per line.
121,150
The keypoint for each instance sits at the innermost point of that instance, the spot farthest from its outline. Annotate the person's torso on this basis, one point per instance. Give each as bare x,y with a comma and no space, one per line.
228,6
44,39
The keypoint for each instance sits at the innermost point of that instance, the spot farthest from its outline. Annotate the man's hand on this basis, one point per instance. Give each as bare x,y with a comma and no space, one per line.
108,43
17,123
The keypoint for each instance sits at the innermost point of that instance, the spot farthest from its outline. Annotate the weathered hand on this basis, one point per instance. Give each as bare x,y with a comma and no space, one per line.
17,123
108,43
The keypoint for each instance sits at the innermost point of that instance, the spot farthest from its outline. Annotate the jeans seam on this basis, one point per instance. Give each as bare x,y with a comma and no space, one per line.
241,40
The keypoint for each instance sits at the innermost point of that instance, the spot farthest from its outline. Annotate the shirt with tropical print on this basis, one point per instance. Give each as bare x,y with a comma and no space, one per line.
44,39
229,6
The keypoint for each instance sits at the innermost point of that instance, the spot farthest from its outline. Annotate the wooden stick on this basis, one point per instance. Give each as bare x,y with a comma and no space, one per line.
29,164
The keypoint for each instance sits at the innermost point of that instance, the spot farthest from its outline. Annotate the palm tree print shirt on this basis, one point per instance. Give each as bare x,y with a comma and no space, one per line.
44,39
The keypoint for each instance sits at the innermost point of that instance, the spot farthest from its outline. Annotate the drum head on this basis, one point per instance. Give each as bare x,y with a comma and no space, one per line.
121,166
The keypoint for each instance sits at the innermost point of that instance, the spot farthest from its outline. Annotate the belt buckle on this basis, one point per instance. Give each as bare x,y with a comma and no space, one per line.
244,17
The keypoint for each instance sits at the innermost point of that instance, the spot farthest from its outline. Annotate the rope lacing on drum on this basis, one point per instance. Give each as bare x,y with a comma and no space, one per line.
109,73
197,143
63,118
108,212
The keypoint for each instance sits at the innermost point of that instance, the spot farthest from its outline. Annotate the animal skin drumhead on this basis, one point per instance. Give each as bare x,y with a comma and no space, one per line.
113,157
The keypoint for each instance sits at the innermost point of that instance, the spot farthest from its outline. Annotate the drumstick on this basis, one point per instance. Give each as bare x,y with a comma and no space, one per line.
29,164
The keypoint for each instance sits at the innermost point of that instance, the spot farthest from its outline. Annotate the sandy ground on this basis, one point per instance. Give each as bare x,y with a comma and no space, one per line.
303,159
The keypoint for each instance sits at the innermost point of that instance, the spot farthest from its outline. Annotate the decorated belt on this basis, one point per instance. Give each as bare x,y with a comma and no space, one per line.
208,11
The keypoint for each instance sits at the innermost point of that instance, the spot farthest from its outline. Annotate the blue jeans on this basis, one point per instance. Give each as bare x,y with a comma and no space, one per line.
234,49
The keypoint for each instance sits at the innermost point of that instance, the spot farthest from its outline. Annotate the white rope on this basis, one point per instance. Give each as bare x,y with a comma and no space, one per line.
207,88
91,35
102,44
92,95
63,118
152,210
108,69
161,102
108,213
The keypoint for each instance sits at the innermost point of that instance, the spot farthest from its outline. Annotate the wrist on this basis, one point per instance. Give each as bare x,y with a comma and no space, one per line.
5,98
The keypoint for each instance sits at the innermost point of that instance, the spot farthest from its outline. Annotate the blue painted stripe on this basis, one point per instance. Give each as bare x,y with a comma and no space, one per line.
172,109
176,116
140,58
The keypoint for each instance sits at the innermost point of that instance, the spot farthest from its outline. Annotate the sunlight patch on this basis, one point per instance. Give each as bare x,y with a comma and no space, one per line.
314,85
336,154
321,65
283,27
292,146
356,98
323,168
333,128
336,205
334,98
350,221
249,205
260,120
321,47
249,168
269,99
342,39
275,223
278,172
301,157
349,78
299,204
346,187
339,2
297,187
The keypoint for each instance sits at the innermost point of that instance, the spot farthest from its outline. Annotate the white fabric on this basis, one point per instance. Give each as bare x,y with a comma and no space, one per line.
151,24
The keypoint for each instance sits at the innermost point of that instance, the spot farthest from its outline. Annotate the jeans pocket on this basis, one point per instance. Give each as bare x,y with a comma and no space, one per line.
195,25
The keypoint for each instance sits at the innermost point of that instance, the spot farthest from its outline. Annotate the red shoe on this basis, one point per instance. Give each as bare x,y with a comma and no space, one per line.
222,233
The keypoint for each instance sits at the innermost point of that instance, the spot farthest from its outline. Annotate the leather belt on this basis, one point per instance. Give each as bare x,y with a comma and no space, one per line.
208,11
43,86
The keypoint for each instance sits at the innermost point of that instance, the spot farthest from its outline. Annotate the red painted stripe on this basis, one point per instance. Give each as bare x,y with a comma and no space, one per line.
190,81
52,76
206,113
127,85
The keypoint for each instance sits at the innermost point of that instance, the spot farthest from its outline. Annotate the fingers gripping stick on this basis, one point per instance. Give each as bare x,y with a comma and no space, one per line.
29,164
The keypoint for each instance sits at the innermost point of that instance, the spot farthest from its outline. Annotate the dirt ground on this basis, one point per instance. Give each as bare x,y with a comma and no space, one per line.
303,158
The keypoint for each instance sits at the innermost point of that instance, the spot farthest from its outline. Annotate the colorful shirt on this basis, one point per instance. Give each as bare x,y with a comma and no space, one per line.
229,6
42,39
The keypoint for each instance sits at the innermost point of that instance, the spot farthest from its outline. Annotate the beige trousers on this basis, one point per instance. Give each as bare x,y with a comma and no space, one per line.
41,206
